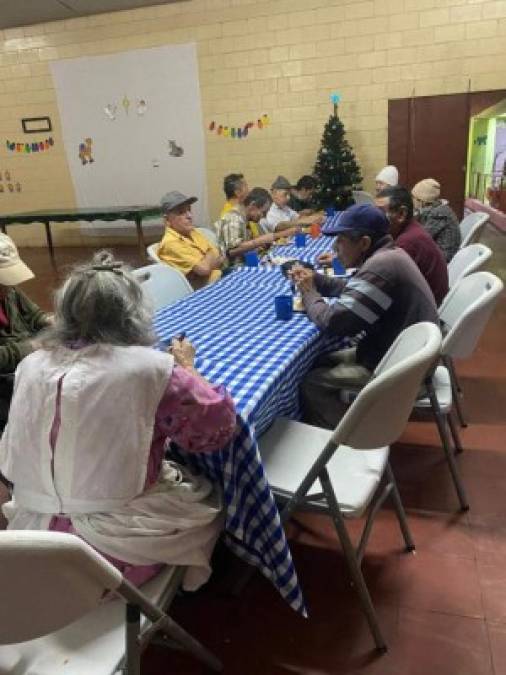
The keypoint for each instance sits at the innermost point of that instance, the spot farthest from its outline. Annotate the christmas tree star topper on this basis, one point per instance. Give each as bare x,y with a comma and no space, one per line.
335,98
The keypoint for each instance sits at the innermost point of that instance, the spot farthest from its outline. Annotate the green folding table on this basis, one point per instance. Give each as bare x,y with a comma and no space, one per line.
134,213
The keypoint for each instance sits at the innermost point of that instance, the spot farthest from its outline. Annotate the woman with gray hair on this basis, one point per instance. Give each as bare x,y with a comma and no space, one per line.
91,415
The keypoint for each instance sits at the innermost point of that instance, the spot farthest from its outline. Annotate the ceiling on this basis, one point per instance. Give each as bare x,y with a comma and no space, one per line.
15,13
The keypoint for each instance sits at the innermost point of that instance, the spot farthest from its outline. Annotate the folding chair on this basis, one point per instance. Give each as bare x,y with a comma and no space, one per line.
152,252
464,314
466,260
54,619
471,226
163,284
209,234
351,475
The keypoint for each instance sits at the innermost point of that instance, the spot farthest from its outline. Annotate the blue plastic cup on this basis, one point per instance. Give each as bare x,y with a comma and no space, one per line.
251,259
337,267
283,305
300,240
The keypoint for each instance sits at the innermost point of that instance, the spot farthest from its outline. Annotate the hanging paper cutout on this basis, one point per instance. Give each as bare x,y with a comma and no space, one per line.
142,107
239,132
175,150
7,175
10,187
18,187
110,111
126,103
36,146
1,188
85,151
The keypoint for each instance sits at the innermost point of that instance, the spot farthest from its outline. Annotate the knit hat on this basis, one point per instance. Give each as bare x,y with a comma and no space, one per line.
13,270
427,190
388,175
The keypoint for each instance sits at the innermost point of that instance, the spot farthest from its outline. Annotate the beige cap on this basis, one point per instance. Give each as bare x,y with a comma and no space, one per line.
427,190
13,270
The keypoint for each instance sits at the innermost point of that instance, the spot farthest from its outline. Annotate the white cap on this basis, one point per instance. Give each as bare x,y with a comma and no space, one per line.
388,175
13,270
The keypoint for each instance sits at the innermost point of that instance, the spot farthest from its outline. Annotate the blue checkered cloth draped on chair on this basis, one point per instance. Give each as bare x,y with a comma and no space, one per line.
239,343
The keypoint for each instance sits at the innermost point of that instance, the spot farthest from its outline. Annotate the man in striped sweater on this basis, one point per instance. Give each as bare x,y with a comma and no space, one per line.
386,294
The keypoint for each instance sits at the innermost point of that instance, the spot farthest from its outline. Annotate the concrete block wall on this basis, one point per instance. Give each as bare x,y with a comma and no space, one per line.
282,58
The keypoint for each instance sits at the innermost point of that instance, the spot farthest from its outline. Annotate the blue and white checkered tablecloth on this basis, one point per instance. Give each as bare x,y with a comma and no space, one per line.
261,360
308,253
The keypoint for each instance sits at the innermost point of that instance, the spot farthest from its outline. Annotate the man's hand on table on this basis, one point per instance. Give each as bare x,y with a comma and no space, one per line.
302,277
325,259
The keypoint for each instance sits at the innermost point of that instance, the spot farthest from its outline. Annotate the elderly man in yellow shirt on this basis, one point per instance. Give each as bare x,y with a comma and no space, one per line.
184,247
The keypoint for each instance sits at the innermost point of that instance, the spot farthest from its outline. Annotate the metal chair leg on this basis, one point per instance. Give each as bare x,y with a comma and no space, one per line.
455,434
379,500
355,571
456,390
440,420
132,651
399,510
166,625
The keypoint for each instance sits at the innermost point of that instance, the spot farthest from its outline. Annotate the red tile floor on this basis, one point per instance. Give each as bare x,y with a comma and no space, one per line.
443,610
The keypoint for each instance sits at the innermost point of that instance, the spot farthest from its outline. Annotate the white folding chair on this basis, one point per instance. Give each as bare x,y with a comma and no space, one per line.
362,197
471,226
152,251
209,235
345,472
464,314
54,620
466,260
163,284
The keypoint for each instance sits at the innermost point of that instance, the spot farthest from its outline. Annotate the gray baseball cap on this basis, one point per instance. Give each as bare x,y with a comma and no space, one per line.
171,200
281,183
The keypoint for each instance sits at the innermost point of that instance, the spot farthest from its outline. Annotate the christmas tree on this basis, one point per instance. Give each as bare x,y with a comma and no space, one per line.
336,169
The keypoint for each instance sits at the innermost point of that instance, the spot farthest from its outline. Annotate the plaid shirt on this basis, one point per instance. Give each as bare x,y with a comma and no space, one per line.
443,226
231,230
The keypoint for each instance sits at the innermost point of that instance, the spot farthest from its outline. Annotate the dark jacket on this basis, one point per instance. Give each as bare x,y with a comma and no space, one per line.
386,295
443,226
25,320
428,256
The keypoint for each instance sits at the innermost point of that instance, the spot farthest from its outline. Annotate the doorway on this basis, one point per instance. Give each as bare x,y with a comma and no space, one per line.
428,137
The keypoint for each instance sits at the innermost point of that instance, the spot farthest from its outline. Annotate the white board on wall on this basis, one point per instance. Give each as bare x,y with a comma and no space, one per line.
132,161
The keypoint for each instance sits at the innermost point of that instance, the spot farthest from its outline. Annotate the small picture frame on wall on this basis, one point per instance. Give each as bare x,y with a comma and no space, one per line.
36,125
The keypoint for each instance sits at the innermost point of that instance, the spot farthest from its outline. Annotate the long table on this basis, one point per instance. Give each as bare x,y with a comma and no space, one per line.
134,213
261,360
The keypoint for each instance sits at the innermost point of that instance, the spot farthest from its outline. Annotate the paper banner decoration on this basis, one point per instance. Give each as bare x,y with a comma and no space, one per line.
85,151
37,146
238,132
126,103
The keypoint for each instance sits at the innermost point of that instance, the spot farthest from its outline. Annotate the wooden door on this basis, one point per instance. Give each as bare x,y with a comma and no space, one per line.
428,136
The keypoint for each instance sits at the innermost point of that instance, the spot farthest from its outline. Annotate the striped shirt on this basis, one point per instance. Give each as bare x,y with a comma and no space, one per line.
386,295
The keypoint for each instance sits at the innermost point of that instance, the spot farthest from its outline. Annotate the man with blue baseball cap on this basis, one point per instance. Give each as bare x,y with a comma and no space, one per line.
386,294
